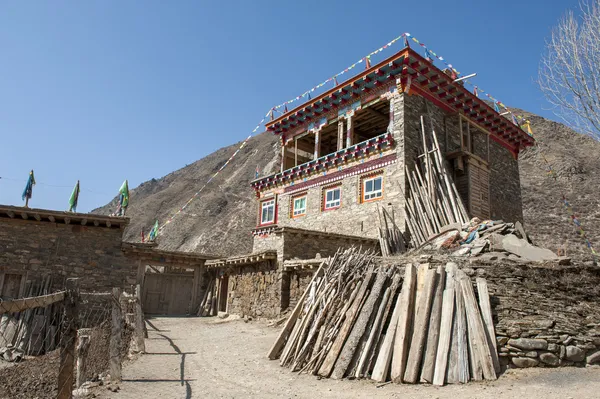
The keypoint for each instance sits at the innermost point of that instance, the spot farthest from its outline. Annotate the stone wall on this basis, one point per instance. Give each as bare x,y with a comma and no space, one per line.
299,280
92,254
306,244
544,317
255,290
505,185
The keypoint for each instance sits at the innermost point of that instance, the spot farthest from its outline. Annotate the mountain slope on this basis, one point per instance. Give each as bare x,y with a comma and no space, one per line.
220,219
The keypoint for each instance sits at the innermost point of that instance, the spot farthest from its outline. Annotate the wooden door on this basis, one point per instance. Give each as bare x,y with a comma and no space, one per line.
167,294
223,293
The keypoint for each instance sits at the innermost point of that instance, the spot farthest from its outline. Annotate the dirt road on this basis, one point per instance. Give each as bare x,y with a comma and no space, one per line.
211,358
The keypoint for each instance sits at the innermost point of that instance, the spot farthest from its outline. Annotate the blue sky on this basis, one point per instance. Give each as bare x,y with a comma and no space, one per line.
103,91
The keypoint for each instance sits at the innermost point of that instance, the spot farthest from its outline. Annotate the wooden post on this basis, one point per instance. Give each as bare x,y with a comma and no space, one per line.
317,144
295,151
349,130
340,140
406,304
282,156
115,337
82,350
69,340
139,321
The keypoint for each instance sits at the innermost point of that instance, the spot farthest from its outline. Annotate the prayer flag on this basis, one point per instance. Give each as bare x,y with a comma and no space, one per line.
28,191
153,232
74,198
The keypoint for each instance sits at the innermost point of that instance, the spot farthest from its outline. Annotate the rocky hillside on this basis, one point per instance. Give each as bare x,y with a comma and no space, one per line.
220,219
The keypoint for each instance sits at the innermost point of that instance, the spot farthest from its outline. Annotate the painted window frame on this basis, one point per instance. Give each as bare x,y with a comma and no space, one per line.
327,190
293,200
261,208
363,187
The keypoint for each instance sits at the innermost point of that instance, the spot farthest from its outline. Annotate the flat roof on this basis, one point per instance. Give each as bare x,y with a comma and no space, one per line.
50,216
149,251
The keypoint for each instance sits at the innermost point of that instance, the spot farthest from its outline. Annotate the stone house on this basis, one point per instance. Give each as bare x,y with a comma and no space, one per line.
345,153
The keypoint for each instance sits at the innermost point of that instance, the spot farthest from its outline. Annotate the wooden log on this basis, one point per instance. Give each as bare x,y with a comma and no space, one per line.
82,351
19,305
116,333
441,361
477,332
486,312
332,355
431,343
375,331
275,350
421,324
68,340
406,305
361,324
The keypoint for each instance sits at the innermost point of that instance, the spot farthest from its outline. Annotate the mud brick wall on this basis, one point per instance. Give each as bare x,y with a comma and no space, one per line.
544,317
299,280
92,254
255,290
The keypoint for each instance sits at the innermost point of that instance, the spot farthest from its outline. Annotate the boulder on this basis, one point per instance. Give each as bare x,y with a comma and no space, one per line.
523,362
550,359
575,354
594,358
511,243
529,344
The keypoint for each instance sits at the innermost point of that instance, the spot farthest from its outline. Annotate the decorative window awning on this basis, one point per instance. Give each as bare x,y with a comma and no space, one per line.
417,75
327,162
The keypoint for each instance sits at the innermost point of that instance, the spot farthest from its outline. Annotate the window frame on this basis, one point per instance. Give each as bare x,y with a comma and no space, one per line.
294,198
328,190
260,212
363,188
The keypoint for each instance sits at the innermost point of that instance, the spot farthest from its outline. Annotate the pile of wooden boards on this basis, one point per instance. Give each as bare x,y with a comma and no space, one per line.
406,324
208,305
391,240
33,331
433,200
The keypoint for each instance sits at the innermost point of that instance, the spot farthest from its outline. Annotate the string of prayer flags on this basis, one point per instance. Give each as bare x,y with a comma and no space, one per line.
28,191
153,232
74,198
123,199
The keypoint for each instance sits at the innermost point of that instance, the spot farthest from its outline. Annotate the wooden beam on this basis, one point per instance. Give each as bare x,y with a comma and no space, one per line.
108,224
24,215
67,220
10,214
37,217
96,223
84,222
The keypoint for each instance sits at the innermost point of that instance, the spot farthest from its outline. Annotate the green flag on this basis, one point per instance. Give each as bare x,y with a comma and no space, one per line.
124,195
74,198
154,231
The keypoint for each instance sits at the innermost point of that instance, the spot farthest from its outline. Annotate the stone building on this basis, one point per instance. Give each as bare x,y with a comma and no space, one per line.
346,152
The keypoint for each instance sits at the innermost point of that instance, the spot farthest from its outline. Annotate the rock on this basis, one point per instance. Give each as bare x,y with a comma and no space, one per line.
501,340
529,344
495,241
222,315
525,250
491,256
575,354
553,348
524,362
464,250
594,358
568,340
562,352
468,271
550,359
564,261
533,354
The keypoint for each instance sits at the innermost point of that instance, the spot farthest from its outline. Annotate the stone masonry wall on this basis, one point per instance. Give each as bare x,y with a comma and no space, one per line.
544,317
255,290
299,280
93,254
307,246
505,185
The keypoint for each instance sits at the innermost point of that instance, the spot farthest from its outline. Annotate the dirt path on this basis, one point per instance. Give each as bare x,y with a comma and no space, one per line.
197,358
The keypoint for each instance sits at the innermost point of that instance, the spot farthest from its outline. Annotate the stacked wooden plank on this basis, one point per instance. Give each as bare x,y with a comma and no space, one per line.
433,200
391,240
407,324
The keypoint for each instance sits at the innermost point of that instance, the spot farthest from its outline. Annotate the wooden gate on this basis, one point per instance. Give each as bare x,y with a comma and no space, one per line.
168,293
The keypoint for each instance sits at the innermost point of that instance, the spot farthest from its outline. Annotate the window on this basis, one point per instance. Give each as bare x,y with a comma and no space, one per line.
267,214
332,198
372,188
299,206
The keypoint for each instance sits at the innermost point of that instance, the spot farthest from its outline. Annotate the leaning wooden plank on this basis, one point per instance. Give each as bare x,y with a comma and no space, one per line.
275,350
475,324
406,304
462,364
373,335
382,365
441,361
486,312
361,324
333,353
421,276
431,343
415,355
19,305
